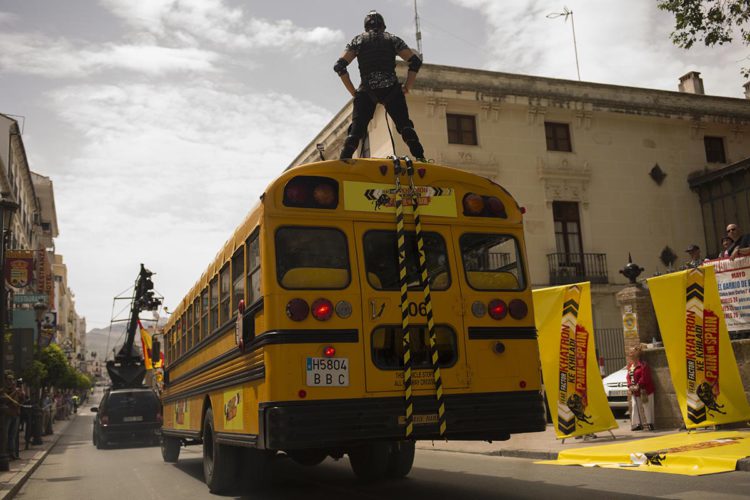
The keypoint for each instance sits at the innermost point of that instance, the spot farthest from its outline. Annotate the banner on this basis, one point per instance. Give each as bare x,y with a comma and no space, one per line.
733,280
574,388
148,361
701,360
19,268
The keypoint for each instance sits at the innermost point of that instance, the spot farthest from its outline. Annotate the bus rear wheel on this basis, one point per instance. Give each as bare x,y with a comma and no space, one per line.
400,459
170,449
370,461
219,461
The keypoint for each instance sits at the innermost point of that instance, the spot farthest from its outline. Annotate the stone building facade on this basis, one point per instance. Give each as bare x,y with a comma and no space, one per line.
602,170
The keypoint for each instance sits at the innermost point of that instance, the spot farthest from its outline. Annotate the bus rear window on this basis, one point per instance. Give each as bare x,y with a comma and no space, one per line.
388,347
381,260
312,258
492,261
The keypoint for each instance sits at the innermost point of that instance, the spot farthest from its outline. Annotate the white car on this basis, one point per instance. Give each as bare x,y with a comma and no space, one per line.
616,388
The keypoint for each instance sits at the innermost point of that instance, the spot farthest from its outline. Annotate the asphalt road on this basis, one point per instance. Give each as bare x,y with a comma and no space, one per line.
75,469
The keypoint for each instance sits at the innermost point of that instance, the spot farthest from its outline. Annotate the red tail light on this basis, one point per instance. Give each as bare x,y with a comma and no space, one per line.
297,309
497,309
159,418
518,309
322,309
104,419
496,208
473,204
308,191
329,351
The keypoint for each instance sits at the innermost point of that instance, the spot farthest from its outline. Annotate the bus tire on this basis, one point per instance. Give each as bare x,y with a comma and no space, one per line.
170,449
219,461
370,461
308,457
400,459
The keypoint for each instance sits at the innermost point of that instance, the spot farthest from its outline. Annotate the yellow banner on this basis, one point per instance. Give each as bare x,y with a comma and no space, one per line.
373,197
692,454
572,381
701,360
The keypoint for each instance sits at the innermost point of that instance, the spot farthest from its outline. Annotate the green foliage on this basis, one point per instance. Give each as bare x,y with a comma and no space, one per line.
50,368
35,374
709,21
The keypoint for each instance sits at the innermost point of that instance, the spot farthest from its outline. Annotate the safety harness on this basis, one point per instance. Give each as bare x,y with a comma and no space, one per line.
425,283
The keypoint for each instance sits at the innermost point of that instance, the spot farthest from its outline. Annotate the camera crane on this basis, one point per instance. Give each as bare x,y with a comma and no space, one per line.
128,369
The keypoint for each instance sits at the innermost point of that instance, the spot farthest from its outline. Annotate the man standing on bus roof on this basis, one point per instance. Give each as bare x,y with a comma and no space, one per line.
376,51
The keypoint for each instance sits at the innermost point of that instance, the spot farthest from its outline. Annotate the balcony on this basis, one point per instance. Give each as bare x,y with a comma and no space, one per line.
573,268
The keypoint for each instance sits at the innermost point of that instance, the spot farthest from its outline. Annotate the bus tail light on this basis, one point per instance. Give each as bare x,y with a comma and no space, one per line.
497,309
473,204
322,309
343,309
496,208
297,309
329,351
518,309
311,191
302,394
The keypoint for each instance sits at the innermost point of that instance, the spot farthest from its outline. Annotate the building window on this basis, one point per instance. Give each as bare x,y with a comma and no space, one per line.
462,129
558,136
714,149
568,232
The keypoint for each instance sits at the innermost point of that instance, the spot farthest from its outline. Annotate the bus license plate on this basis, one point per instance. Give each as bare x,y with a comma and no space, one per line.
328,372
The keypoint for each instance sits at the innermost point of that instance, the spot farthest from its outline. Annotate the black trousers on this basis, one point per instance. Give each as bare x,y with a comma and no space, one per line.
365,102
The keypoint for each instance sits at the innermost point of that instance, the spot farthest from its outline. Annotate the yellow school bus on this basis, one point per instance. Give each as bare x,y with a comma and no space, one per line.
291,340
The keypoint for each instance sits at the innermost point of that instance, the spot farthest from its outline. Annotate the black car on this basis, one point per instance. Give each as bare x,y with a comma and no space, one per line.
127,416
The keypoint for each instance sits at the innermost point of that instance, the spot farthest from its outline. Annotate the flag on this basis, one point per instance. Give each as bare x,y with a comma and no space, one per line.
147,344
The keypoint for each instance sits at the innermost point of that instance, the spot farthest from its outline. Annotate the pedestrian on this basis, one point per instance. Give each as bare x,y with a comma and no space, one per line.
740,242
641,389
726,243
375,51
12,413
694,251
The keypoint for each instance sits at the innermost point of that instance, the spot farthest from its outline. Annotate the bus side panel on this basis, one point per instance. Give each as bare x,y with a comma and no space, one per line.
235,409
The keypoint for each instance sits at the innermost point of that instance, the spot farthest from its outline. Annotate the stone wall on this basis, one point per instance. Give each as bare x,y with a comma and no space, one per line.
666,410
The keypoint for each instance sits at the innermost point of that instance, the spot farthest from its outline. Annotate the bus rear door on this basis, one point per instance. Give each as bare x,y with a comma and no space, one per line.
381,306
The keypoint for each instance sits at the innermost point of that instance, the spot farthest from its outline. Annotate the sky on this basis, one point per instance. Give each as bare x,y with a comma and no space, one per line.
160,122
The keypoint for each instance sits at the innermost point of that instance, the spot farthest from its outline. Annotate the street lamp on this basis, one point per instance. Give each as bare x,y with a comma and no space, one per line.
40,307
7,208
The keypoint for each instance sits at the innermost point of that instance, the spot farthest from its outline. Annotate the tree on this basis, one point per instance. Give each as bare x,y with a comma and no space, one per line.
709,21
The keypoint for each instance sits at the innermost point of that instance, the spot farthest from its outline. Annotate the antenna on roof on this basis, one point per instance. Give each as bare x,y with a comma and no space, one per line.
419,32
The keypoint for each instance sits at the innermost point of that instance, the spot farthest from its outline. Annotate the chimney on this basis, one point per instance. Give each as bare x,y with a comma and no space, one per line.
747,90
691,83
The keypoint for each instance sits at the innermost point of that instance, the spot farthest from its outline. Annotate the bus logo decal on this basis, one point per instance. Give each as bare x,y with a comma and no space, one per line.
372,197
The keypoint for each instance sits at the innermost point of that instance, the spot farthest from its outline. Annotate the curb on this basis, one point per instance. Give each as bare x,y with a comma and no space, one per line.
528,454
35,461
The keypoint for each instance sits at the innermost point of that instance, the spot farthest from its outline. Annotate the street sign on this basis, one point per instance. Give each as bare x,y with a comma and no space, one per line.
29,298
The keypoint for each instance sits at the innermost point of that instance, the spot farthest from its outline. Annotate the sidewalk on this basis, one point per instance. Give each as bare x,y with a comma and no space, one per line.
20,470
540,445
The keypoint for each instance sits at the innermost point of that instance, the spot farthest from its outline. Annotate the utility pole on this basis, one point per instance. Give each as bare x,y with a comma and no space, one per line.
419,31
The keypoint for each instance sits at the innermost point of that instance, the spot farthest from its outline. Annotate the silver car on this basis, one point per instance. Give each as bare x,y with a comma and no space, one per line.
616,388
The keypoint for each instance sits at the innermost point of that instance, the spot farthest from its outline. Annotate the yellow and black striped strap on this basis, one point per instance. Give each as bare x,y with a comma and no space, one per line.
425,282
401,239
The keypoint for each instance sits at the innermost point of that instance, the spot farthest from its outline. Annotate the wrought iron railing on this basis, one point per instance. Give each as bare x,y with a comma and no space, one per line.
567,268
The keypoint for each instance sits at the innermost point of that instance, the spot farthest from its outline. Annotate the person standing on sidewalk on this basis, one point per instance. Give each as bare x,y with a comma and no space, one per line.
13,413
376,52
641,389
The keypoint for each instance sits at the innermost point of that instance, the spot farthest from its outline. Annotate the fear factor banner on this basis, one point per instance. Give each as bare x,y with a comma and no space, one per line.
701,361
575,393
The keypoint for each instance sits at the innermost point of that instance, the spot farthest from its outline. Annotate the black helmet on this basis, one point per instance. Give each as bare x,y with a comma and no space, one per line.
374,21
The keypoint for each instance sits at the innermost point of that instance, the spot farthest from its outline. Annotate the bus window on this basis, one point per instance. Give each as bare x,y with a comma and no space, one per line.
253,268
388,348
238,278
492,261
189,326
225,279
381,260
312,258
204,314
196,320
214,286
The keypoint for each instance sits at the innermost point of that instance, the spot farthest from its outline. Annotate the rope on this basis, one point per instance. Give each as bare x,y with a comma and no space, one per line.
390,134
425,282
404,299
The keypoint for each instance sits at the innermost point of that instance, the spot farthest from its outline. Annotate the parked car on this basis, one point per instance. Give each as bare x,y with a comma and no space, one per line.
127,415
616,388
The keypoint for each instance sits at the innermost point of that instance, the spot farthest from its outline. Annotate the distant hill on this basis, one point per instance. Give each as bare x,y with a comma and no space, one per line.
103,340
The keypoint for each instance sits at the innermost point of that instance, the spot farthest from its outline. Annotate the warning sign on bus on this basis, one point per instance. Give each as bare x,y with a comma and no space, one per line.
370,197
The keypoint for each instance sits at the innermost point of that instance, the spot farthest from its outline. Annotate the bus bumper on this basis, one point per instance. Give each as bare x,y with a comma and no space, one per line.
290,425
